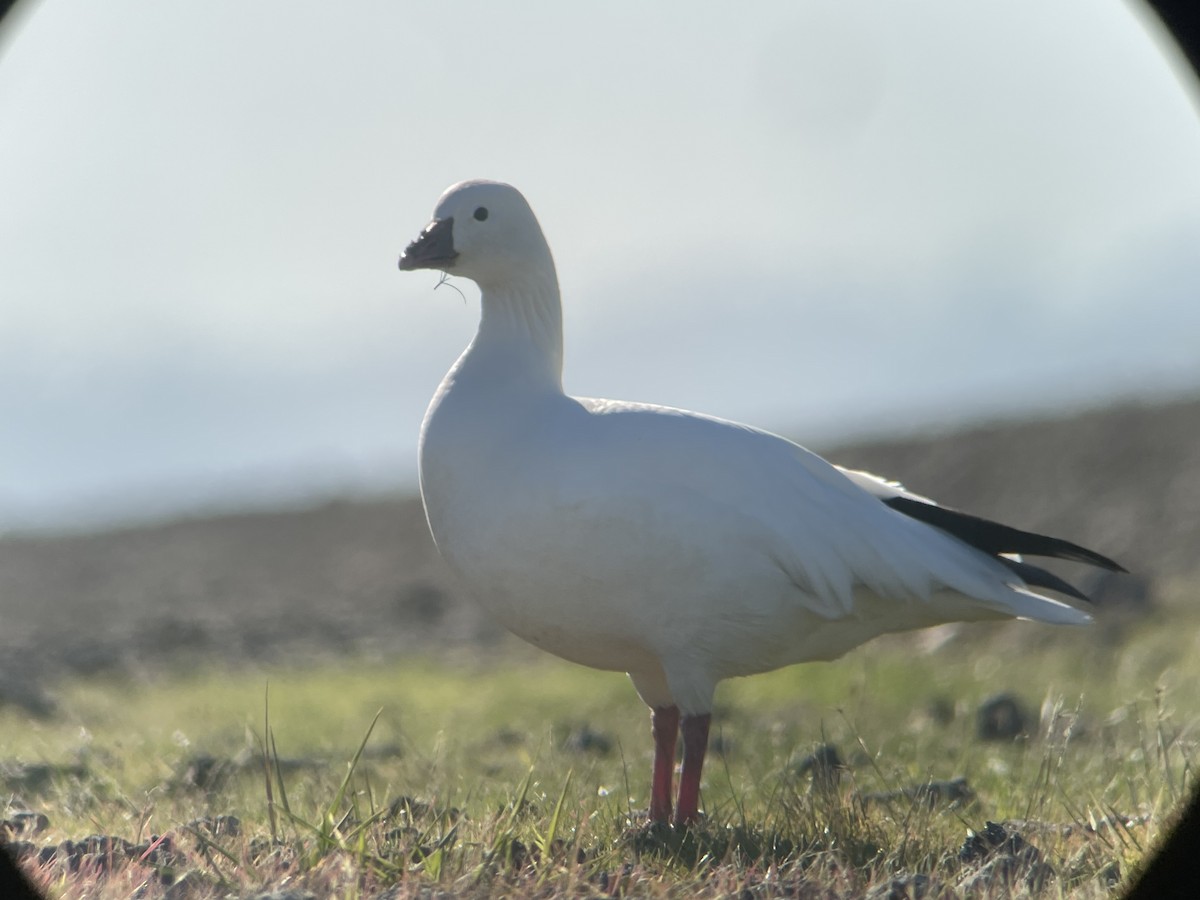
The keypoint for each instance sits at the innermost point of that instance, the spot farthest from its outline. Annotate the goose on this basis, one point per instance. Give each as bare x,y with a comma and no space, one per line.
679,548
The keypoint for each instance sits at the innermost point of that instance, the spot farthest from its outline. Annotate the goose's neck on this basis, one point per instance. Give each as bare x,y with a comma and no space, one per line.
520,332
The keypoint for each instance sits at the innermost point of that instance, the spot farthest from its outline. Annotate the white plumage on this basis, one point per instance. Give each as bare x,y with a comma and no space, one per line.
680,548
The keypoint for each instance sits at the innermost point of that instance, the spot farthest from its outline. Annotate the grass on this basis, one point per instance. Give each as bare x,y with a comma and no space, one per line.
515,774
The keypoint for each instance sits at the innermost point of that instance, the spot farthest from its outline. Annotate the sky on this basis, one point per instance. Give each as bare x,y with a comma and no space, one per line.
830,219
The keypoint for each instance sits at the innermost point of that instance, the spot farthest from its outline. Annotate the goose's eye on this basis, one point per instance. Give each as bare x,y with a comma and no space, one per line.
481,214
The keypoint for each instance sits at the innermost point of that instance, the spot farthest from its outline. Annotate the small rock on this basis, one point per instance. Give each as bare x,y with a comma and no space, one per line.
826,766
911,887
1001,717
156,851
1005,859
25,822
105,844
217,826
1111,874
205,772
994,838
279,854
407,808
68,854
95,853
940,710
518,854
954,792
586,740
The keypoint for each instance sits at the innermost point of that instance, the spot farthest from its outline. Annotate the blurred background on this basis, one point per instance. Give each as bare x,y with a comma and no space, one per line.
953,243
835,220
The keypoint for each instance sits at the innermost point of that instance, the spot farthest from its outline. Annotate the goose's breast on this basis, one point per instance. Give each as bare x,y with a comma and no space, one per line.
517,524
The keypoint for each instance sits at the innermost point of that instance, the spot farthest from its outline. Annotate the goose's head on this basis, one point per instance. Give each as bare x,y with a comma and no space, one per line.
481,230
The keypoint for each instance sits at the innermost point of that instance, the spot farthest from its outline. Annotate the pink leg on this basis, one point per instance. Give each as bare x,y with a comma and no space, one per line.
695,745
665,726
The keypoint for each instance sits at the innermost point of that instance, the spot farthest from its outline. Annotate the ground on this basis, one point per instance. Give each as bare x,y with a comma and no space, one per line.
136,668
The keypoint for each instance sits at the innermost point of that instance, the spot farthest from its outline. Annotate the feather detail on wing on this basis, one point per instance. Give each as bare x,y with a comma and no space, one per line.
1002,542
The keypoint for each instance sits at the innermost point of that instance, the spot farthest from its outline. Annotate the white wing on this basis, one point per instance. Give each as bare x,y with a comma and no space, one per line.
827,527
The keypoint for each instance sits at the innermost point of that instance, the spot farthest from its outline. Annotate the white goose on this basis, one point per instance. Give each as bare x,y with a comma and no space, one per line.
679,548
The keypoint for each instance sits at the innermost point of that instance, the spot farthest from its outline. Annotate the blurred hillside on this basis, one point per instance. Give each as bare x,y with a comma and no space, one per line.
1123,480
363,577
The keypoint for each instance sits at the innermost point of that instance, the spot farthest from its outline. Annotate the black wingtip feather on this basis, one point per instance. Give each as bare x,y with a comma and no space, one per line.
1038,577
995,539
